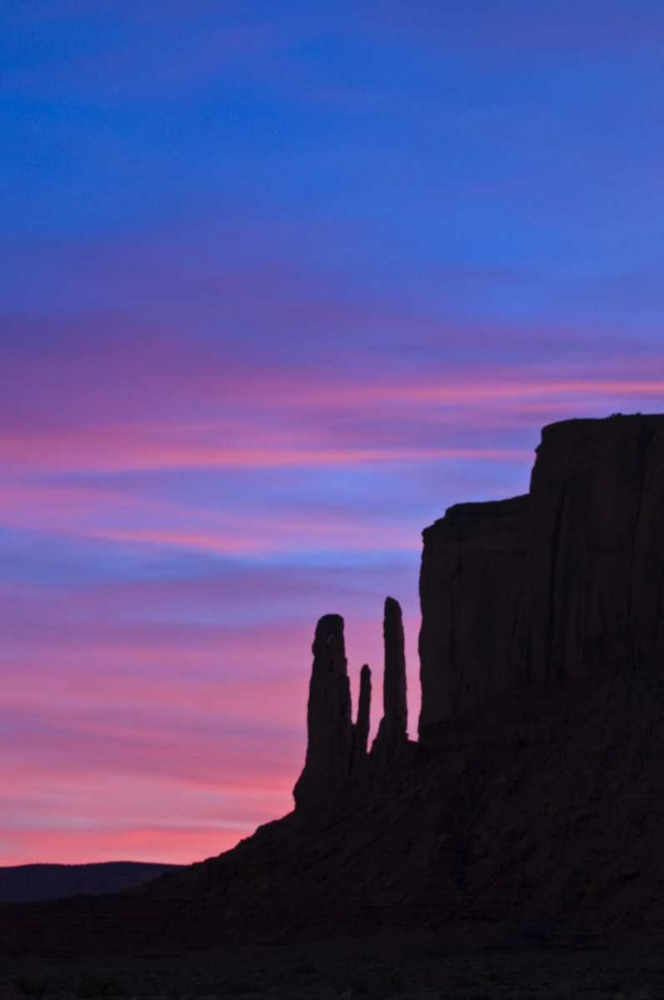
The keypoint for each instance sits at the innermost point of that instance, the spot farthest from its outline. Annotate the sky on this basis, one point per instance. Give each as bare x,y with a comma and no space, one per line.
280,283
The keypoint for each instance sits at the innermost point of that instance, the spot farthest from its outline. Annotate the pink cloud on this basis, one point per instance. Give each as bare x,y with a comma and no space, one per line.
172,844
115,732
236,417
523,389
123,450
73,769
93,514
140,687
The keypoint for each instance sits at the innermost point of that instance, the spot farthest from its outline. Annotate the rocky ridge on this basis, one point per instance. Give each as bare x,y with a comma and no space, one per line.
534,797
565,580
31,883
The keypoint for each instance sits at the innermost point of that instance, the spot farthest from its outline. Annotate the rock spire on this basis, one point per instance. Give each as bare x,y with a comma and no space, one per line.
329,726
361,728
392,732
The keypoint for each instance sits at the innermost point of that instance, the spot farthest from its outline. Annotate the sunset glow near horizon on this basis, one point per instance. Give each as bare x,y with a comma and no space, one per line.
279,284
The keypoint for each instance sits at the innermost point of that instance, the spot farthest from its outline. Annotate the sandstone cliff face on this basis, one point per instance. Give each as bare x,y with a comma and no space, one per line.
472,588
565,580
596,548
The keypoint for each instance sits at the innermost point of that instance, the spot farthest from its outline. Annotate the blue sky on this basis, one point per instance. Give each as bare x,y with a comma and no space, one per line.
279,284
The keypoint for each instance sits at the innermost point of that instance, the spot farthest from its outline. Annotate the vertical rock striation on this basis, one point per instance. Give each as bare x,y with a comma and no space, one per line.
472,592
596,546
551,585
329,726
392,732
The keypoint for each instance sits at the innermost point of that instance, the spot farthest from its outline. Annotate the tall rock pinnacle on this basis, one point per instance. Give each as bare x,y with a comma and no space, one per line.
361,728
329,726
392,732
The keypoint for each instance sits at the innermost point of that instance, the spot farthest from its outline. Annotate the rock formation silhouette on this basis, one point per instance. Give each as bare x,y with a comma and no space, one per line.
535,793
329,728
548,586
473,596
337,749
40,882
392,732
363,724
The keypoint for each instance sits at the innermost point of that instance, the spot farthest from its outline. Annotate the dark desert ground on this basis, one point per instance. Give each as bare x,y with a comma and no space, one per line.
514,850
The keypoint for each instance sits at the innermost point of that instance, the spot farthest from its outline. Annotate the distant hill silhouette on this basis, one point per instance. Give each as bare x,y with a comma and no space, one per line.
30,883
534,797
